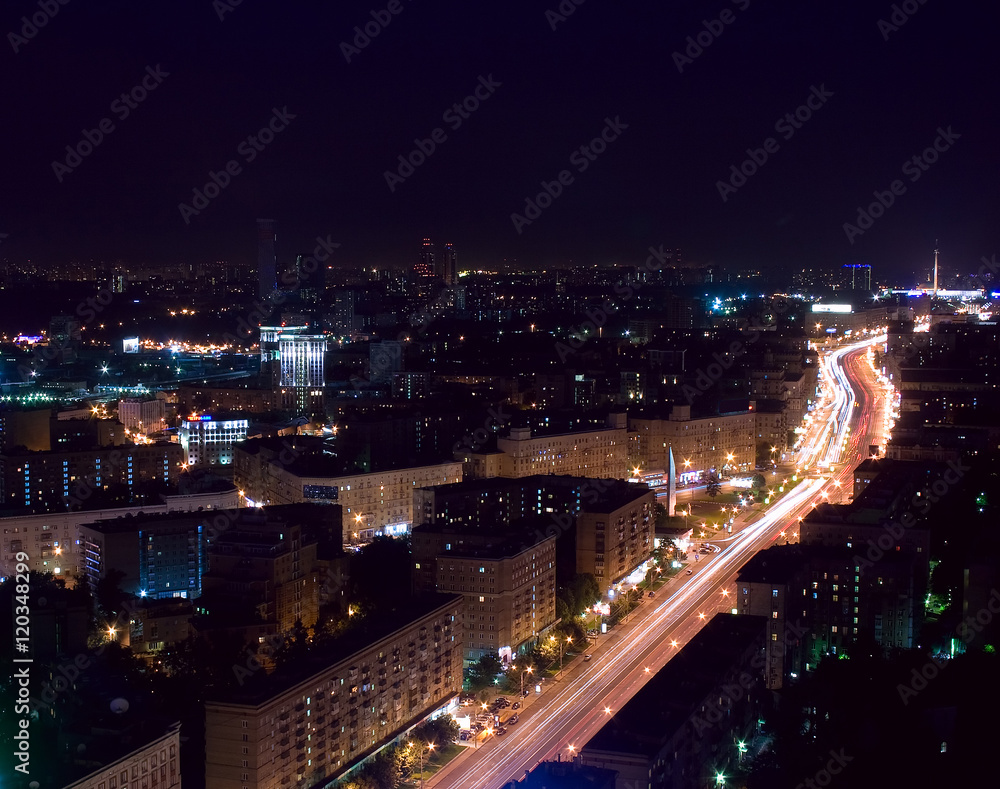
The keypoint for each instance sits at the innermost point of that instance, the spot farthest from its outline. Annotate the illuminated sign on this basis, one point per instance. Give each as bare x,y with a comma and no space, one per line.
199,418
130,345
840,309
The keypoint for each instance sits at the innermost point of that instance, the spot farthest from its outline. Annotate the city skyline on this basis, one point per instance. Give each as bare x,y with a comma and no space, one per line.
457,396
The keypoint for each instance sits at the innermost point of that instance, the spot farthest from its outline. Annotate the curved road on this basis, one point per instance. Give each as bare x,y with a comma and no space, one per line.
849,417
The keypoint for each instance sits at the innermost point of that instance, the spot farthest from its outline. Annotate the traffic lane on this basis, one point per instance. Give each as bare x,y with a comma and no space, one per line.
586,702
613,687
572,707
588,690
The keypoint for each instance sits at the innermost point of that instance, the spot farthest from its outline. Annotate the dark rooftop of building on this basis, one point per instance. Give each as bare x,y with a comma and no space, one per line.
886,496
566,775
259,688
596,494
669,699
500,544
780,563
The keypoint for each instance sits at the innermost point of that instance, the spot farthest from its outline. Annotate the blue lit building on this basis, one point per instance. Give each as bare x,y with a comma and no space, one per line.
162,556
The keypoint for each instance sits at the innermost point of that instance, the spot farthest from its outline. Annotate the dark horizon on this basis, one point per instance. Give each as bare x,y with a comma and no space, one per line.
680,123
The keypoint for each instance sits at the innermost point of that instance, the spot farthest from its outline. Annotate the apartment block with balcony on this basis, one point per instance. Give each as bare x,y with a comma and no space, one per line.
309,723
615,535
155,765
373,502
508,582
596,453
723,442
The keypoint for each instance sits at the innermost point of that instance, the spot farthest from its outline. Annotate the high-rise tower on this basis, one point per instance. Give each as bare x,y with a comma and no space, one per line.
426,263
447,265
936,250
267,262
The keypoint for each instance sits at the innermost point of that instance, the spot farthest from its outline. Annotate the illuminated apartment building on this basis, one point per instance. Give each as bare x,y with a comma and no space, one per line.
209,440
308,724
723,443
601,453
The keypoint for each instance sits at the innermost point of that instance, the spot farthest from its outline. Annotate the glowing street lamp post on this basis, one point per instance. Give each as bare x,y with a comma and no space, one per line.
528,670
428,749
569,640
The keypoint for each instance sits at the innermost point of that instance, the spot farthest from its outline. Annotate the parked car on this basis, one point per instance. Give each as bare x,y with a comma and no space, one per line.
516,705
689,572
651,594
512,720
586,658
526,693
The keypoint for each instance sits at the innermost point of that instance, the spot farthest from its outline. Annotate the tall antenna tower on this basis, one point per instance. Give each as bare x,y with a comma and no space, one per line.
936,251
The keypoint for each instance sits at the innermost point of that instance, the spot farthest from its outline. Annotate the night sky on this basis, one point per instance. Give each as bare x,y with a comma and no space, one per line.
656,183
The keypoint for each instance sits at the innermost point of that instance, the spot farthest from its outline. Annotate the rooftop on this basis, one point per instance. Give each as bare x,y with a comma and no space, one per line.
372,629
669,699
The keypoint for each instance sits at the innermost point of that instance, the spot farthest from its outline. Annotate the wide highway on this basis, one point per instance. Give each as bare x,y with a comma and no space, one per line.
851,416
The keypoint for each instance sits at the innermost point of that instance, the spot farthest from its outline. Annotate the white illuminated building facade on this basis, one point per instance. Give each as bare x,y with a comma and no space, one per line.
210,441
142,415
295,361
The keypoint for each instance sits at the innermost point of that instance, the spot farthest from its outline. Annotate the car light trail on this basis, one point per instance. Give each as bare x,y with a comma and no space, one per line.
572,710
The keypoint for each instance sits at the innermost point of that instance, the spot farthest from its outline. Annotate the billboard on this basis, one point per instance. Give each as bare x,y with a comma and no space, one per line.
840,309
130,345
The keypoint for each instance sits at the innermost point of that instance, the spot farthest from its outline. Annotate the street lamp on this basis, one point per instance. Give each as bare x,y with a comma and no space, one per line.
430,747
528,670
569,640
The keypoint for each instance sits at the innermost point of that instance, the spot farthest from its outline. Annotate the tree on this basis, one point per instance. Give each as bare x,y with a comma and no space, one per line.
662,518
439,732
575,596
572,629
110,597
758,482
586,590
713,485
294,645
566,603
484,671
380,574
